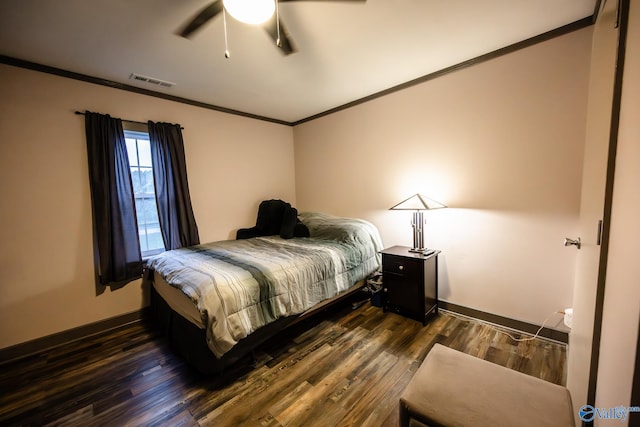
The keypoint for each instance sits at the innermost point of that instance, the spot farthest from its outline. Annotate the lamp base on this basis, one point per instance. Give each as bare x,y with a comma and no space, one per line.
418,250
423,251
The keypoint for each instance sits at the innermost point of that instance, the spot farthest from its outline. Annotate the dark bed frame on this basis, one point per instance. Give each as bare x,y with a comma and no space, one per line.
189,341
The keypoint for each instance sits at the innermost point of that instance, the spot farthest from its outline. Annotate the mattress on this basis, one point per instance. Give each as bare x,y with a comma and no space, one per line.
177,300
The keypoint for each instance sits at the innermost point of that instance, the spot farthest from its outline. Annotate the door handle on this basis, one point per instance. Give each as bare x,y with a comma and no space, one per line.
568,242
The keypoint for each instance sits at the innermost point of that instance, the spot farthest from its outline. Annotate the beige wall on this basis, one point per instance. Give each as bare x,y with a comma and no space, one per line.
501,143
46,284
622,293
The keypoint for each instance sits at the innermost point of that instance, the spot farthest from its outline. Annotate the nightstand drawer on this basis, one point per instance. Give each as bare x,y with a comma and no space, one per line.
402,266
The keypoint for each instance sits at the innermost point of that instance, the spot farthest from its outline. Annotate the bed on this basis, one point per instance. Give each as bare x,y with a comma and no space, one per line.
217,301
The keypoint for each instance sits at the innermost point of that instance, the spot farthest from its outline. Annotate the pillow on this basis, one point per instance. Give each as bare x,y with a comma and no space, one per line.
329,227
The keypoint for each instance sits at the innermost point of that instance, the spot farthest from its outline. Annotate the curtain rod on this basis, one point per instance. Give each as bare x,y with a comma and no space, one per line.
80,113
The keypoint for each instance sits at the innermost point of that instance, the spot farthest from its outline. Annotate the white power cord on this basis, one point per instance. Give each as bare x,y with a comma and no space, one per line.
537,332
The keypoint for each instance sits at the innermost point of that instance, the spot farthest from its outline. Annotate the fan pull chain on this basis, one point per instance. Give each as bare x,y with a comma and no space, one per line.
278,41
226,42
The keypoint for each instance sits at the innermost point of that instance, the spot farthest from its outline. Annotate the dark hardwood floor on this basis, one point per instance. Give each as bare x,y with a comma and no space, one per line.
348,368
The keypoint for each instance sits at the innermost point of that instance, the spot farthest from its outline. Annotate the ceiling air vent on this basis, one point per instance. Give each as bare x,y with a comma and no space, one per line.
151,80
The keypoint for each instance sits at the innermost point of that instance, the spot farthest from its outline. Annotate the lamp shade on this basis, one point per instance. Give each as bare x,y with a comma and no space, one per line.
417,202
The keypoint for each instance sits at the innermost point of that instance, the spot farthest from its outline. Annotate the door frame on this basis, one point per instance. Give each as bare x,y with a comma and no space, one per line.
623,21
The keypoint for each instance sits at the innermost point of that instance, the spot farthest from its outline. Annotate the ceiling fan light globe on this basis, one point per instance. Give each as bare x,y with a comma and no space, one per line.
252,12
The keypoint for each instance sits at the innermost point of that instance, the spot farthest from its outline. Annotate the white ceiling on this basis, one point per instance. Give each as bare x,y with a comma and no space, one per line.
346,51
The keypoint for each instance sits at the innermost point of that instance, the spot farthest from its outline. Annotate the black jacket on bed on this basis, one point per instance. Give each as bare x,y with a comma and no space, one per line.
275,217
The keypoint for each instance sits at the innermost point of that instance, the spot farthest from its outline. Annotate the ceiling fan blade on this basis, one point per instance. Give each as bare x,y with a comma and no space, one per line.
286,44
204,16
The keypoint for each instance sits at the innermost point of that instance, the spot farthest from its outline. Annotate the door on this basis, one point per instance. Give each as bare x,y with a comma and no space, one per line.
589,278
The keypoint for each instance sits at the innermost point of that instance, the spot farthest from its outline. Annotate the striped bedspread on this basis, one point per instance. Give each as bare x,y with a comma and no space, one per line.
239,286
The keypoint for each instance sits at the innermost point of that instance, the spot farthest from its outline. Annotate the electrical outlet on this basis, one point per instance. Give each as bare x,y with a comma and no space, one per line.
568,316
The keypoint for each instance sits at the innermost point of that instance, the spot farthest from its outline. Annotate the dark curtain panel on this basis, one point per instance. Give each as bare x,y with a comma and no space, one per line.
114,213
177,221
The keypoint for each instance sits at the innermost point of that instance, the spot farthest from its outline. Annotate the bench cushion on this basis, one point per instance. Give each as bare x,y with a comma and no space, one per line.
451,388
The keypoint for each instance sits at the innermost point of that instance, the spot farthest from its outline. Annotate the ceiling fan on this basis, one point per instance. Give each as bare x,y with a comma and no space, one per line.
256,12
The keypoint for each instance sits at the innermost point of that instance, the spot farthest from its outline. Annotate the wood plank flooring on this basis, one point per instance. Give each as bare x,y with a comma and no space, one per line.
346,369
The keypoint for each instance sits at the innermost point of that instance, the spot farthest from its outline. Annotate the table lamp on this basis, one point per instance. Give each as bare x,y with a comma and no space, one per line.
417,203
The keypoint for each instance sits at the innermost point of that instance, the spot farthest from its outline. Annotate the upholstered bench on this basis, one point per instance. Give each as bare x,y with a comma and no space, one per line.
451,388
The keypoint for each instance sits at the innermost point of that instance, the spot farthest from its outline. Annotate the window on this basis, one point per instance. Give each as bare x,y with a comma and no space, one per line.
139,150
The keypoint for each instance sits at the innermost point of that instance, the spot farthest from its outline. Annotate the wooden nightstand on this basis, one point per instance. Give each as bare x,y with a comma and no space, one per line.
410,282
